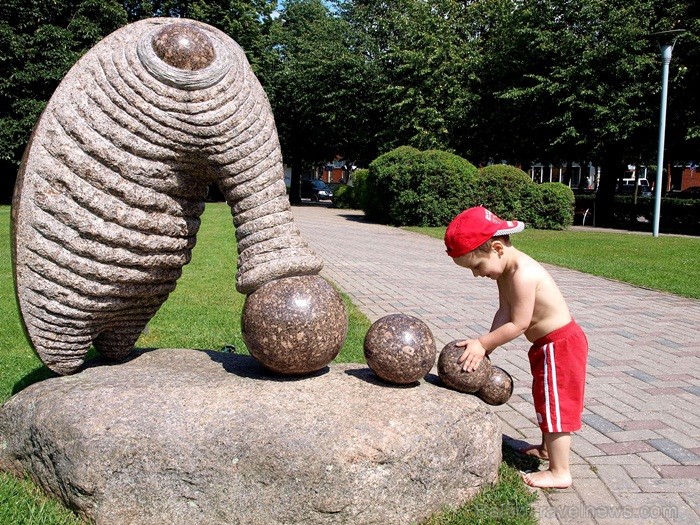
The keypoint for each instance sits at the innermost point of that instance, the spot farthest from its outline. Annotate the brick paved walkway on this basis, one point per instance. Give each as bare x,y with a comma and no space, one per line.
637,458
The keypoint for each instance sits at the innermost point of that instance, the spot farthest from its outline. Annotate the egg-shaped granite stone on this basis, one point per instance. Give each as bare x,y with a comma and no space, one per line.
184,46
451,372
400,348
498,388
294,325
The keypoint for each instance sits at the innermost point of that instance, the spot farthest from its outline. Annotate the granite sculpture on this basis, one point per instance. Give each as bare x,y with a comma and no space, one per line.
188,437
498,388
399,348
295,325
451,373
113,180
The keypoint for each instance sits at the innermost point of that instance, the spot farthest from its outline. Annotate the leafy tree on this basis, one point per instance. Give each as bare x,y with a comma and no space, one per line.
39,42
683,118
580,84
321,89
514,80
424,53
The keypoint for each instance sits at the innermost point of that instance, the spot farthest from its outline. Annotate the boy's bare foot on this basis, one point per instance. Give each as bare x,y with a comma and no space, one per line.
546,479
537,451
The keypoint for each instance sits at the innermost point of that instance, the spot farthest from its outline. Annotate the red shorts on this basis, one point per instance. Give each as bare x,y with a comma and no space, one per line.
558,366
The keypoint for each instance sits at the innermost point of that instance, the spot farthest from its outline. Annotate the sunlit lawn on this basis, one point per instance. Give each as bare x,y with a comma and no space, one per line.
666,263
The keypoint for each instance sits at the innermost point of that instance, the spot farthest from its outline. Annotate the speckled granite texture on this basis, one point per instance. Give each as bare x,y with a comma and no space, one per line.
110,191
451,373
186,437
295,325
400,348
498,388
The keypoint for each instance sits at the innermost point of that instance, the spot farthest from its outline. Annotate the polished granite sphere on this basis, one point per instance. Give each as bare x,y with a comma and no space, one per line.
294,325
498,388
451,373
184,46
400,348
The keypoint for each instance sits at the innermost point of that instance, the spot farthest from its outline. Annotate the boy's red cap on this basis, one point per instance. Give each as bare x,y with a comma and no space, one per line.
473,227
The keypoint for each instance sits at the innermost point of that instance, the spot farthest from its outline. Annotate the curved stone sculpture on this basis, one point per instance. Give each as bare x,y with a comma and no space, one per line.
113,181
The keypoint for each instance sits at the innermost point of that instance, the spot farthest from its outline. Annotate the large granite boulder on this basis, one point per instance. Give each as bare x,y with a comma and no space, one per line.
199,437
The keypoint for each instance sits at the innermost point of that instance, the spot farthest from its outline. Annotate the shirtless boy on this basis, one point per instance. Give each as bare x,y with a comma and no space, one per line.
530,303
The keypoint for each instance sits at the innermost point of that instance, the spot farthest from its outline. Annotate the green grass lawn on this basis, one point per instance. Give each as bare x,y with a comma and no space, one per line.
204,312
665,263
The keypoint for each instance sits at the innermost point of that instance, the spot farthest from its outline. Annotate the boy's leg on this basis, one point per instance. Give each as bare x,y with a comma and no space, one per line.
558,475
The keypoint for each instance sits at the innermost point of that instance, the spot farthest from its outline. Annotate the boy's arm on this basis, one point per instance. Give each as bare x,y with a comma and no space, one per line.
501,317
511,320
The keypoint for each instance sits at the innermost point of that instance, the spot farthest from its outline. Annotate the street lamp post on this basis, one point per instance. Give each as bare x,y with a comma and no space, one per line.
667,41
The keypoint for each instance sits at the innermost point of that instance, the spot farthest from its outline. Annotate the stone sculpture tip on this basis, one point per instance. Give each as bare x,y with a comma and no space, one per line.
184,46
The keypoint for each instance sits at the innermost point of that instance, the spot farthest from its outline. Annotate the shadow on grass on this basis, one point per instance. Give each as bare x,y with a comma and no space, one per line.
35,376
43,372
514,459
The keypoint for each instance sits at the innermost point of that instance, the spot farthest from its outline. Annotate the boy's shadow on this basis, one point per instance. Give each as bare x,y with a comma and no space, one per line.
515,459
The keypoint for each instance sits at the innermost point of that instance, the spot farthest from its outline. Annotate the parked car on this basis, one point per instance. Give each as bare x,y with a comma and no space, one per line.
316,190
693,192
643,188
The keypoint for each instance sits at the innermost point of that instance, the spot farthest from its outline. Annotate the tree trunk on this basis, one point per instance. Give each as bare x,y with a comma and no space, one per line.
295,187
566,179
612,168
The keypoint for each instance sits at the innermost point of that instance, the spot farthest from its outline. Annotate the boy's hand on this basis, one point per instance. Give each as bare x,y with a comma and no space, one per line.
473,354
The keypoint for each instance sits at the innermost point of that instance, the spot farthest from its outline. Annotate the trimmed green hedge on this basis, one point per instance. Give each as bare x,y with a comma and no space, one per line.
350,196
505,190
551,207
510,193
408,187
677,215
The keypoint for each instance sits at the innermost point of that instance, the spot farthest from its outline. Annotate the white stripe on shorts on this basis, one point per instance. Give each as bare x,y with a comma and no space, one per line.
553,366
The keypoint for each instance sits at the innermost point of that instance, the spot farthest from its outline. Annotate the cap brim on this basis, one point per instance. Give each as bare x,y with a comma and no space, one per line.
519,226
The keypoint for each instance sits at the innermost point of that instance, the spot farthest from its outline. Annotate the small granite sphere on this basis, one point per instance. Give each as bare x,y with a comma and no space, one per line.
451,373
184,46
400,348
294,325
498,388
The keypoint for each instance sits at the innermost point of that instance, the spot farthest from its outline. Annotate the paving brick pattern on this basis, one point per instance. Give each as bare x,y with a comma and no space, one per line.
637,458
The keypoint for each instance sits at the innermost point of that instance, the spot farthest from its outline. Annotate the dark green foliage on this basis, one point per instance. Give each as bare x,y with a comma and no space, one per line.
351,195
505,190
342,196
40,40
551,208
407,187
677,215
39,43
321,87
386,181
510,193
359,188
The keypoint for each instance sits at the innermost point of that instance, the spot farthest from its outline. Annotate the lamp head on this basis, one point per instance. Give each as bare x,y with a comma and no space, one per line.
668,38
